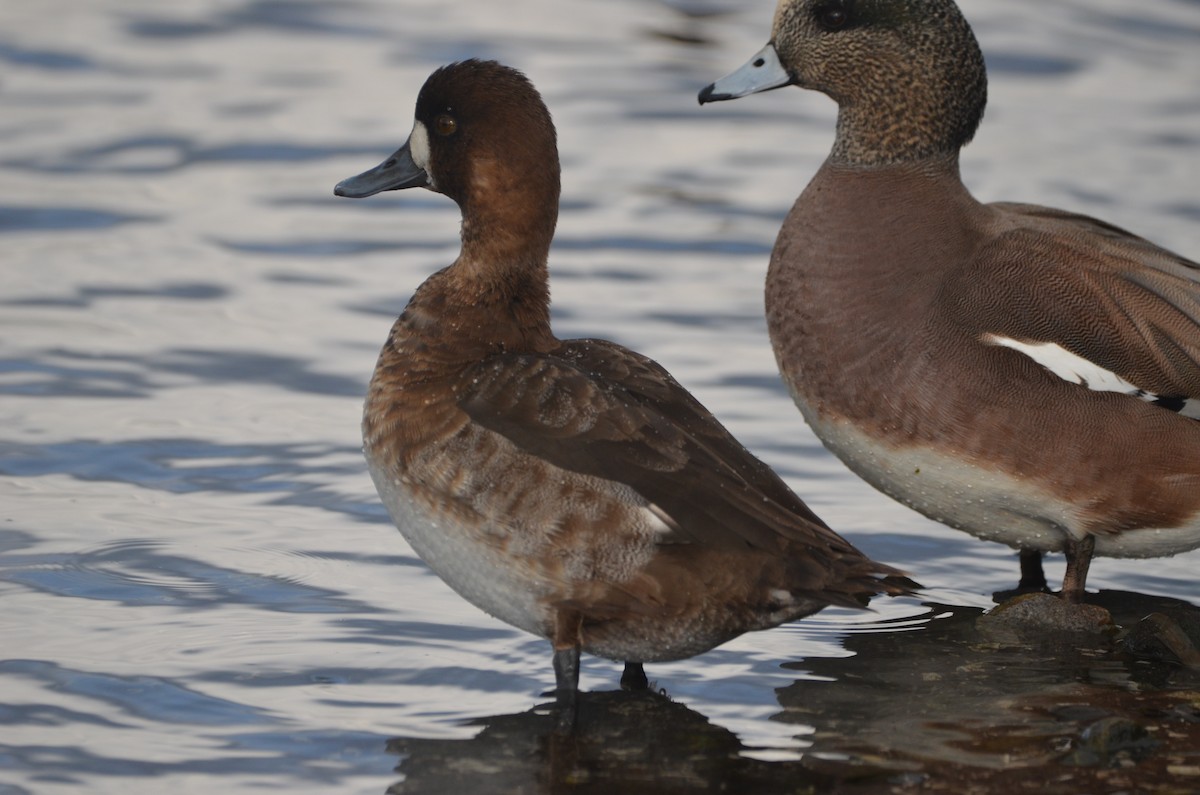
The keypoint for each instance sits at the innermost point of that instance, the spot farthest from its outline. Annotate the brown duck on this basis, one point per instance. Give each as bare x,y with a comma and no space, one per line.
568,487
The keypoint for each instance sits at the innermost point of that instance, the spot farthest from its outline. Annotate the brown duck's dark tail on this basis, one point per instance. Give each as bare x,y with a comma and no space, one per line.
862,587
899,584
888,580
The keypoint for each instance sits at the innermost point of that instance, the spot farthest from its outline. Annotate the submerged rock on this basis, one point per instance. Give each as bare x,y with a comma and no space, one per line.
1112,742
1165,638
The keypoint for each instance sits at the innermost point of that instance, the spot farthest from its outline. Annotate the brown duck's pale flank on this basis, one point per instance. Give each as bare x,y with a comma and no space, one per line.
570,488
1025,374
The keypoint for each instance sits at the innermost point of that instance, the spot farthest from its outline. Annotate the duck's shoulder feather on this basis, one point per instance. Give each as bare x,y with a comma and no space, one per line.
1050,277
597,408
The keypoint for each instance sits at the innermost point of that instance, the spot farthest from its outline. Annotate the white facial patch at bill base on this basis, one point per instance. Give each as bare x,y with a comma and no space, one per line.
418,148
1075,369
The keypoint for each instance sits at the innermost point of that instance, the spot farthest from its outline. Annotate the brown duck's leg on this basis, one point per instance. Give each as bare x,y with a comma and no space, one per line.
1033,577
634,677
1079,559
566,674
568,638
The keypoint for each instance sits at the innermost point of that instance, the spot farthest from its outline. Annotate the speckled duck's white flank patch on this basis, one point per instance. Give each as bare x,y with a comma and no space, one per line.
418,147
1066,365
1078,370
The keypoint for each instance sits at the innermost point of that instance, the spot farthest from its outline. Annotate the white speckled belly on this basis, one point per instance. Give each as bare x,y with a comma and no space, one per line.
984,501
477,569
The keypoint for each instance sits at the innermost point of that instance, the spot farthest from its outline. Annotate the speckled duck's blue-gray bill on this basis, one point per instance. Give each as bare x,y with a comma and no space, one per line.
763,72
396,173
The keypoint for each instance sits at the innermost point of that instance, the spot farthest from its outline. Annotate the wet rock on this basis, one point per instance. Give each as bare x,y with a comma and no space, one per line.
1039,612
1184,713
1078,712
1112,742
1164,638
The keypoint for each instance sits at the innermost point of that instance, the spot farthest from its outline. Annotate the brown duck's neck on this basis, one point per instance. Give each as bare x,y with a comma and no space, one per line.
474,309
508,222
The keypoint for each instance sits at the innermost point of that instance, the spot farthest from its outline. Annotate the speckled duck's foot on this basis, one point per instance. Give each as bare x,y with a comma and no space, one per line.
1042,612
634,677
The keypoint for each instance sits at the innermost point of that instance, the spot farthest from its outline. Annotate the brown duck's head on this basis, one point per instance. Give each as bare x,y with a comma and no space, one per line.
481,135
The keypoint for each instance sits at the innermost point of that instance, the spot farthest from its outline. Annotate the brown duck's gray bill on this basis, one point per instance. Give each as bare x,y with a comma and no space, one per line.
763,72
396,173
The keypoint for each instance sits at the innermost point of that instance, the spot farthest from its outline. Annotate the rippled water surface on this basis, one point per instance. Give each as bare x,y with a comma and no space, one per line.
200,590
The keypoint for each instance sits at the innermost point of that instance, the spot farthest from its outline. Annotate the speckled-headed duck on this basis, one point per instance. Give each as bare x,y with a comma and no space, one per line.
570,488
1025,374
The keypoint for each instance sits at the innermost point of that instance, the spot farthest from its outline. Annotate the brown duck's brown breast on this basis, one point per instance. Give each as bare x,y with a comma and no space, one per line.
580,539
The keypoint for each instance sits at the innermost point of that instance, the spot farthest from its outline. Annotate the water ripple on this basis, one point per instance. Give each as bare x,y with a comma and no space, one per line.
147,697
139,573
157,154
111,375
64,219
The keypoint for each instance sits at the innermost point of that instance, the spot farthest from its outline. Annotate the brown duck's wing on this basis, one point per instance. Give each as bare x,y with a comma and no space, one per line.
596,408
1097,291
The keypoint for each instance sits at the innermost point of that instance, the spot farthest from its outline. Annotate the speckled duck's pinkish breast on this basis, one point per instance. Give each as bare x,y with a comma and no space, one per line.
892,377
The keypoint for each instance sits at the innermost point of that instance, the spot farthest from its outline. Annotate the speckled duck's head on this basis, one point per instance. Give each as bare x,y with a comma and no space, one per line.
908,75
483,137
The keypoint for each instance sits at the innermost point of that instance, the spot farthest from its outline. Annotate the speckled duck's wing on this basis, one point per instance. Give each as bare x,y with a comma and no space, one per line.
596,408
1090,302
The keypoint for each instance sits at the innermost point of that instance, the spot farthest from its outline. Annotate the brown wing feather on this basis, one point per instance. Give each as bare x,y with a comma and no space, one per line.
596,408
1098,291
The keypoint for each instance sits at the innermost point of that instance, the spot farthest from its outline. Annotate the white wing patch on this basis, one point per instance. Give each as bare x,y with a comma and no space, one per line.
1066,365
1075,369
659,521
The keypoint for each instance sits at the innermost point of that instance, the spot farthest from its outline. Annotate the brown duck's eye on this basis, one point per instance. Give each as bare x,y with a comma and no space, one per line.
445,124
833,17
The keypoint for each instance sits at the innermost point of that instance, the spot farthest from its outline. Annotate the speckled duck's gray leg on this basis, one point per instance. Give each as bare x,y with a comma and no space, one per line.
634,677
1079,559
1033,577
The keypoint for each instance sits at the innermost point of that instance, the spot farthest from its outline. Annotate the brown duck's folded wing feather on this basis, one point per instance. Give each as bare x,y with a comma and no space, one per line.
1094,289
596,408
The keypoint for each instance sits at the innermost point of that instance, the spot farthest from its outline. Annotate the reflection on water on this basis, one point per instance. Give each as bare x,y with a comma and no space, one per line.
964,693
621,742
938,702
201,592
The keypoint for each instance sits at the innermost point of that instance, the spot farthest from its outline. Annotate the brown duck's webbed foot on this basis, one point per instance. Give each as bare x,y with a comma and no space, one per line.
1079,559
634,677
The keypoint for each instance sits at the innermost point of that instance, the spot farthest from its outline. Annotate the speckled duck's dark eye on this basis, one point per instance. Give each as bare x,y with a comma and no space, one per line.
833,16
445,125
